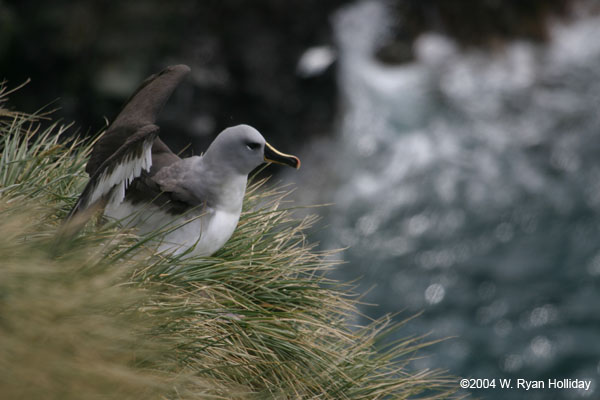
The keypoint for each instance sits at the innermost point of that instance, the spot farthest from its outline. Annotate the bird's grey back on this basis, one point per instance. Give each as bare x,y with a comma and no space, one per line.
191,180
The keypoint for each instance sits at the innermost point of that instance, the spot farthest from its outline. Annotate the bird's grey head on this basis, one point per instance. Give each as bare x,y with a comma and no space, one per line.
243,148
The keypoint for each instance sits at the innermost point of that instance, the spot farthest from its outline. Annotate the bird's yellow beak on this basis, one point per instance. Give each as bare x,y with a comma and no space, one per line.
274,155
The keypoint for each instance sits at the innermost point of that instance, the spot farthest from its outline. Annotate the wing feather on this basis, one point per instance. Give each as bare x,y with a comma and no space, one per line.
145,189
111,179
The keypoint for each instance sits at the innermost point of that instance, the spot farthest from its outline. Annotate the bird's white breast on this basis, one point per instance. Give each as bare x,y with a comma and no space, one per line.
204,232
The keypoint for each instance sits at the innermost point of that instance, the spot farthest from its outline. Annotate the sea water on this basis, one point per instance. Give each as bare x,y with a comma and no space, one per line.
466,184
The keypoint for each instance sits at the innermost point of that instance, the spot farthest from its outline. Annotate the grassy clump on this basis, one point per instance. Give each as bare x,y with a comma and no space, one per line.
102,315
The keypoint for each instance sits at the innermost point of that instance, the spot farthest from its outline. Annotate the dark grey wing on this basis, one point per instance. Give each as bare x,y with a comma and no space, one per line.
141,109
111,178
167,189
130,145
145,189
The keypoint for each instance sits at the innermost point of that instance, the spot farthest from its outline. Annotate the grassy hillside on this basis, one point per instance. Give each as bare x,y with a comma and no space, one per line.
100,315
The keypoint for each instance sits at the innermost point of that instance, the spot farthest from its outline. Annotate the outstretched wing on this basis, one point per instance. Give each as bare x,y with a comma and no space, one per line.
141,109
130,145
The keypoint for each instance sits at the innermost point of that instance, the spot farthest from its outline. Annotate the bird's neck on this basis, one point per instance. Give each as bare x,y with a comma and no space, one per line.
231,193
227,186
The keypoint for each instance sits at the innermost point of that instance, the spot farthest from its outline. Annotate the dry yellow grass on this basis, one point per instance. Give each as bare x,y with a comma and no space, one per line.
100,314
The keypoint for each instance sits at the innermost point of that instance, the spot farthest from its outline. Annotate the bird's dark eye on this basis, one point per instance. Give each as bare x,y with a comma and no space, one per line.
253,145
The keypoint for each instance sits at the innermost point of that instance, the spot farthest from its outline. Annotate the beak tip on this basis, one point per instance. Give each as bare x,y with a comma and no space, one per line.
273,155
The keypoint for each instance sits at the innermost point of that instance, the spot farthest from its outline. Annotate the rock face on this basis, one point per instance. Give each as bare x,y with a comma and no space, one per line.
244,56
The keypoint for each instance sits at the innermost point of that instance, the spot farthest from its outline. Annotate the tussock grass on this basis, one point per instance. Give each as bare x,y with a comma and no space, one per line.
102,315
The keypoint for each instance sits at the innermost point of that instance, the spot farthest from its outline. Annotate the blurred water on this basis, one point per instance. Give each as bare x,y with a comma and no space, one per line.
468,185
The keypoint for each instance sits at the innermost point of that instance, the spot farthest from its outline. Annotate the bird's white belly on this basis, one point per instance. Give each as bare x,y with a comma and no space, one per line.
204,233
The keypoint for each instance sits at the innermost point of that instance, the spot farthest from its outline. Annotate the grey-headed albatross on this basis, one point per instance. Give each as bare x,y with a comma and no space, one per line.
137,179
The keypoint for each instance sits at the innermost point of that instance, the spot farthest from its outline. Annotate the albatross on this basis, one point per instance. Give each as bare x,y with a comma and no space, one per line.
135,178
